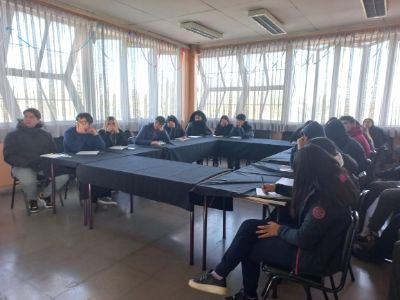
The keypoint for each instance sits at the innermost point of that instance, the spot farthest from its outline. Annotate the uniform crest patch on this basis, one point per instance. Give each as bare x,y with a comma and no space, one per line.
318,213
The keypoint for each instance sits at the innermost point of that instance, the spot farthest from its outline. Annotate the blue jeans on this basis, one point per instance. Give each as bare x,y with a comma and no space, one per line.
28,179
250,251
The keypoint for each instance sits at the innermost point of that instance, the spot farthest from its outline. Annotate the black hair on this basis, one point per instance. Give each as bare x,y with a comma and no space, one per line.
85,116
241,117
349,119
325,144
315,168
160,120
224,117
33,111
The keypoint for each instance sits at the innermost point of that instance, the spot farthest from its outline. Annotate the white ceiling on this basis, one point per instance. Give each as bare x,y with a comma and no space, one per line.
298,17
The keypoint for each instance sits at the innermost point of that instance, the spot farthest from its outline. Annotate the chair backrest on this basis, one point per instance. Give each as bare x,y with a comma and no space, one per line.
59,142
262,134
376,160
347,248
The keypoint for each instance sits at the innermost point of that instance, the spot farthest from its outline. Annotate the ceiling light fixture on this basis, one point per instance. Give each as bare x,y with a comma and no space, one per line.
201,30
374,8
265,19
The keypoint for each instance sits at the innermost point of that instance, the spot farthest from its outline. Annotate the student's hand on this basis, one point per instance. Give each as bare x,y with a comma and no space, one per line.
92,130
301,142
80,129
269,230
155,143
268,188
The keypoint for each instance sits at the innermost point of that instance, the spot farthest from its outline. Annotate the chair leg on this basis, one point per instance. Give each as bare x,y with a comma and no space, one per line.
66,190
132,204
333,287
275,283
351,273
13,193
266,285
308,292
325,295
61,199
269,287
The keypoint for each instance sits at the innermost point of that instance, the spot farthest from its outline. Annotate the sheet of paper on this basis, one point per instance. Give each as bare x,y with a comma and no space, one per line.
236,137
87,153
285,181
270,195
194,136
218,136
284,168
118,147
182,139
55,155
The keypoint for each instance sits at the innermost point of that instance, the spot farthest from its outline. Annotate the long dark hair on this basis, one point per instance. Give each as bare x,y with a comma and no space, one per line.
315,168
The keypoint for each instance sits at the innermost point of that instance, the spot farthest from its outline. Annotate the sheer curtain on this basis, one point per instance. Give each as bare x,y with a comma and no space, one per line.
279,85
63,64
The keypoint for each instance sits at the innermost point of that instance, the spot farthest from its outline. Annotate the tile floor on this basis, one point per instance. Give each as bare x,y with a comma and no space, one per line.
138,256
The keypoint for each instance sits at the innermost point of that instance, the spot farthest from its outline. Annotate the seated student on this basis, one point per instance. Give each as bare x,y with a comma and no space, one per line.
242,128
312,130
321,203
84,137
173,128
153,133
112,134
198,124
297,134
387,207
224,127
335,131
377,134
355,131
22,150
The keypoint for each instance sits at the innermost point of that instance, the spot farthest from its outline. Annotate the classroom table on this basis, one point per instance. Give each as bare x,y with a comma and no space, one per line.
161,180
190,150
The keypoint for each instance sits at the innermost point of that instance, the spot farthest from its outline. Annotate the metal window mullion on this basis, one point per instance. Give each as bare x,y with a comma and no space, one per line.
240,108
362,82
390,71
315,92
124,86
335,78
153,89
287,84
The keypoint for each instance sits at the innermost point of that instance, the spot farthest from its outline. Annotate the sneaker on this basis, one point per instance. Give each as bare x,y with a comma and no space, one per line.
33,206
367,242
207,283
46,201
106,201
240,296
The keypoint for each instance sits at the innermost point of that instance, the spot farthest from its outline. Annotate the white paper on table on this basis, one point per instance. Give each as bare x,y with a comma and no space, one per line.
194,136
88,152
55,155
284,168
285,181
118,147
270,195
182,139
218,136
236,137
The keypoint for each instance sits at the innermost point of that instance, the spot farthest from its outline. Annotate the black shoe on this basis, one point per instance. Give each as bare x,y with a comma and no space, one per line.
33,206
240,296
46,201
207,283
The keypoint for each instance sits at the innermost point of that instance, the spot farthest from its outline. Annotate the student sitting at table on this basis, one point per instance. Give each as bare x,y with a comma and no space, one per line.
197,125
312,130
355,130
321,202
242,128
224,127
112,134
84,137
153,133
22,150
173,128
335,131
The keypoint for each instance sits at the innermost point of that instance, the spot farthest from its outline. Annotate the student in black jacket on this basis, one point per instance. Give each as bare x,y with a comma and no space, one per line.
22,150
309,131
198,125
173,128
377,134
320,208
242,128
224,127
337,133
153,133
112,134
